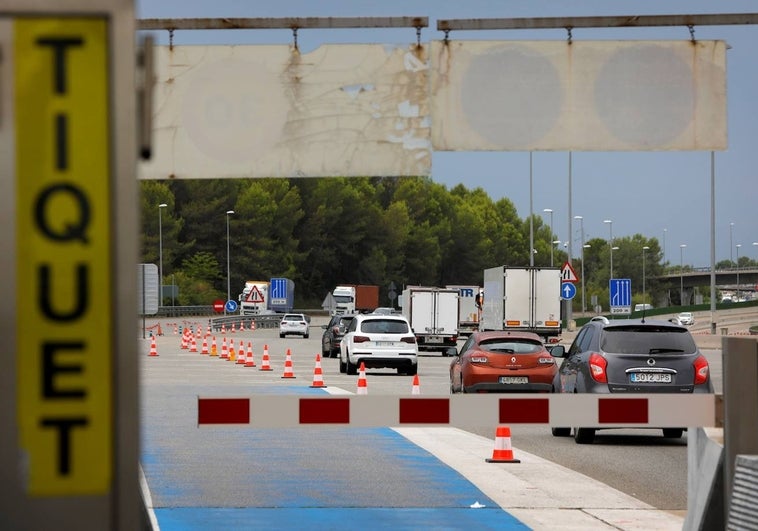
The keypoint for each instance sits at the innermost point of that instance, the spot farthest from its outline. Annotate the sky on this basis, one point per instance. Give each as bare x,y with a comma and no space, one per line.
663,195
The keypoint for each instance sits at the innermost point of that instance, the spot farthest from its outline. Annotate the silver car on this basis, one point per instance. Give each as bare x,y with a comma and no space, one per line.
379,341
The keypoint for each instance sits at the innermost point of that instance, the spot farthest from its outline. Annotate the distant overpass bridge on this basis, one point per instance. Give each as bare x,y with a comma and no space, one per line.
726,279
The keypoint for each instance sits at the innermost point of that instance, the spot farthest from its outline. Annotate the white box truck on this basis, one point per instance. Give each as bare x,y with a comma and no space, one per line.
468,312
522,298
433,315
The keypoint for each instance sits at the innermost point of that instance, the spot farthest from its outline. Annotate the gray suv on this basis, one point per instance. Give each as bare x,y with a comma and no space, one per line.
631,356
333,332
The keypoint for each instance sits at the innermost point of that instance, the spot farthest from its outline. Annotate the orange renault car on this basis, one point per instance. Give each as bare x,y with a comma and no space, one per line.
504,362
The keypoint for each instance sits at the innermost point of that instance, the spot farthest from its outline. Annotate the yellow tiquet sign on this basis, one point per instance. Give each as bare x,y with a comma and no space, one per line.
64,252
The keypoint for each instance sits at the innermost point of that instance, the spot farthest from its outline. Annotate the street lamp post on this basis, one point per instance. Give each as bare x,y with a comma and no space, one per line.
644,248
228,285
664,248
610,244
581,225
681,274
731,244
160,253
552,243
738,271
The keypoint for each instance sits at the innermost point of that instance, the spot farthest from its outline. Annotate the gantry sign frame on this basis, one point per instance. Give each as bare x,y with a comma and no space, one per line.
69,426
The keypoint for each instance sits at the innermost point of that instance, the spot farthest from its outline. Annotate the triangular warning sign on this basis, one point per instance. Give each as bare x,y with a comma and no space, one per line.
255,295
568,274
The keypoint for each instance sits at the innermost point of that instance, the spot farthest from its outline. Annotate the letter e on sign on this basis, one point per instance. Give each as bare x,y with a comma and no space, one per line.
64,255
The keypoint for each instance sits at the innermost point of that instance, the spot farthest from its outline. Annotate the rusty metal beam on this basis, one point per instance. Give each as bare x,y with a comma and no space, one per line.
624,21
281,23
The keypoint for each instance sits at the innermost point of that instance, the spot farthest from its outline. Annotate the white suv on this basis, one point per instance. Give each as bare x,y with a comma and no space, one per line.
379,341
293,323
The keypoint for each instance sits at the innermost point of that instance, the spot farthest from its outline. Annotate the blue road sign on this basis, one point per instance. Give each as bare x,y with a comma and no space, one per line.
231,306
568,290
621,295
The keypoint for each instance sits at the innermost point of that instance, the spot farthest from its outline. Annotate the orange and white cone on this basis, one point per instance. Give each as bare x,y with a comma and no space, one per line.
362,382
185,340
214,348
416,389
234,328
204,349
242,326
318,375
223,328
241,355
224,351
176,330
249,359
288,372
503,452
153,348
232,355
208,331
265,366
252,325
193,345
199,333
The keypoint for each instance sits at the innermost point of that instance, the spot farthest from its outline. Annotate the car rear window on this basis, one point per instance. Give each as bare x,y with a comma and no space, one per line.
384,326
511,346
647,340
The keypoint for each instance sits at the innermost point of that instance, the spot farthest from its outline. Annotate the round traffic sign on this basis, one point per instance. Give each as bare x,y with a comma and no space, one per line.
231,306
218,306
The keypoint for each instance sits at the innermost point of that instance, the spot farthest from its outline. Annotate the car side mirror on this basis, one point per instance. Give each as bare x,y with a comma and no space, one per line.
451,351
557,351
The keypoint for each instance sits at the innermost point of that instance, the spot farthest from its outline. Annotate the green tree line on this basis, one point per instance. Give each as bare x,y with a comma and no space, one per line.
321,232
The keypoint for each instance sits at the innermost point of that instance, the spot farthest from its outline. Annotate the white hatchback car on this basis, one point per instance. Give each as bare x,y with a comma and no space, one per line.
379,341
295,324
686,318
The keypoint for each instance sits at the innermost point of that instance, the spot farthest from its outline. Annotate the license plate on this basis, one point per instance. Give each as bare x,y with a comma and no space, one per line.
514,380
385,343
434,339
650,377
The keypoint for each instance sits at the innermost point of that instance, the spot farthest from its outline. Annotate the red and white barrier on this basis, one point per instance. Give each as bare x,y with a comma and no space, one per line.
586,410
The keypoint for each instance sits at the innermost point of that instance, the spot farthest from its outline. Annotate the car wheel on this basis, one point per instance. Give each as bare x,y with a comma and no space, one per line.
281,336
412,370
343,366
351,368
560,432
305,336
335,353
673,433
584,435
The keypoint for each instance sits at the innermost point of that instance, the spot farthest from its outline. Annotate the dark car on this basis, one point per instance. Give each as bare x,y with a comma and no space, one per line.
333,333
502,361
631,356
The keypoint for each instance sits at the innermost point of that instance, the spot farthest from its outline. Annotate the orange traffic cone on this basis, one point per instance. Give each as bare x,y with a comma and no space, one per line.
252,325
193,345
241,356
153,348
362,382
223,328
232,355
416,389
503,452
199,332
204,350
234,328
185,340
176,329
214,349
265,363
224,351
288,372
249,360
242,326
318,378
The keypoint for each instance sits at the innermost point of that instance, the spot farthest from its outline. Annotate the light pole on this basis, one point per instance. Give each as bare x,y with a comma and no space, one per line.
228,286
644,248
550,211
664,247
610,244
738,270
581,226
160,253
731,243
681,274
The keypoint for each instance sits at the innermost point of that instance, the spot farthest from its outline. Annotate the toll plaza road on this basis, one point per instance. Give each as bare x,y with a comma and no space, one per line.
191,468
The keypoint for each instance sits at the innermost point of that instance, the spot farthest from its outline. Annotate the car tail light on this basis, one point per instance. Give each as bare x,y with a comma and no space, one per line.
598,364
701,370
410,339
479,359
360,339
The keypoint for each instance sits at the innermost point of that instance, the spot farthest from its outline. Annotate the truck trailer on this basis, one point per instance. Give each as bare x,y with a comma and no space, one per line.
523,299
433,315
468,311
267,297
352,298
